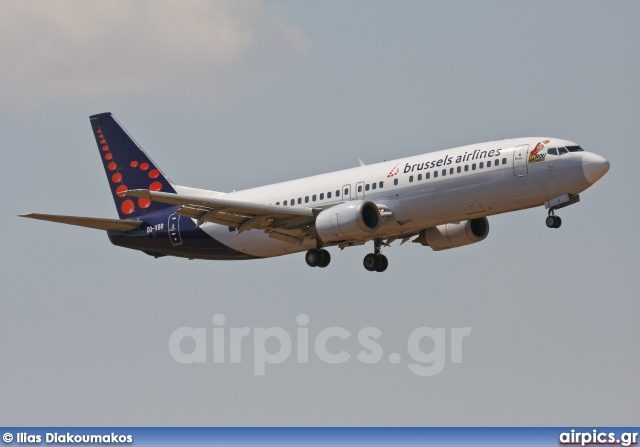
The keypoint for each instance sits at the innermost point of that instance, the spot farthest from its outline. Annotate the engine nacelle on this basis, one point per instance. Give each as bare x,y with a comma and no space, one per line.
348,220
455,234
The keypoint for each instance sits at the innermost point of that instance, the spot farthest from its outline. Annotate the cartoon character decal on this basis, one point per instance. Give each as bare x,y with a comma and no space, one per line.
539,153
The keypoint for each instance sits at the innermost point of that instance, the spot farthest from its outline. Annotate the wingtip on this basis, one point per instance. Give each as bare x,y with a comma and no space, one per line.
142,193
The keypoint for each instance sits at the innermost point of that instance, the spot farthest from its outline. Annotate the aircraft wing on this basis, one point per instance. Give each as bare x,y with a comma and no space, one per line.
88,222
285,221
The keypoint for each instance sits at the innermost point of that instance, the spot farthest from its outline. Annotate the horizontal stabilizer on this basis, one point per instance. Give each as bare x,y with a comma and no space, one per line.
89,222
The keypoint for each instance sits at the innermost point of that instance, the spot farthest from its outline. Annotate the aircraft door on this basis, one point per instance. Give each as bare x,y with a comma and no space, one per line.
346,192
174,229
359,190
520,156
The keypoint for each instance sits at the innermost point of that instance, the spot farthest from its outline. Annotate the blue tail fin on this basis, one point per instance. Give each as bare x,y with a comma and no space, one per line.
127,167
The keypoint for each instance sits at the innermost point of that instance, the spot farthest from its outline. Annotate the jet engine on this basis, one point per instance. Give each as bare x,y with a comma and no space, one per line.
455,234
348,220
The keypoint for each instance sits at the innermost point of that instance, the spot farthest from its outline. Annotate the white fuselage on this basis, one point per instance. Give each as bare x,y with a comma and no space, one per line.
425,190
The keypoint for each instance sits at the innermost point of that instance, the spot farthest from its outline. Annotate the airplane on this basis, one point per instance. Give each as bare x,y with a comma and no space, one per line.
439,199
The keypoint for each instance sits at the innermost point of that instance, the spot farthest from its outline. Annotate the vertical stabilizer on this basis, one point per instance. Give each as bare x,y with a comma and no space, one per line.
127,167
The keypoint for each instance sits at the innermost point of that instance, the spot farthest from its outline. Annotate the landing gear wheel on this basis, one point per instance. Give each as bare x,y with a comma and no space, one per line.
382,263
325,258
375,263
558,222
370,262
551,221
313,257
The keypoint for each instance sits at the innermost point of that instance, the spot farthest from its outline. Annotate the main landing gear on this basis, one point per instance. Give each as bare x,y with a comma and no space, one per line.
376,261
318,257
373,262
552,220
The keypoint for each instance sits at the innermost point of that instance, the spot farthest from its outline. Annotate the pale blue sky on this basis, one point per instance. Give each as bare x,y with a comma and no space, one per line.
232,95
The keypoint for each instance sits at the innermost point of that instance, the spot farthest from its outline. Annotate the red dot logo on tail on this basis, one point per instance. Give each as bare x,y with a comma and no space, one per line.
120,189
128,206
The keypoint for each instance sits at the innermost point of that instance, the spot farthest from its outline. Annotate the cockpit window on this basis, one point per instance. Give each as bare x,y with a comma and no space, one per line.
552,151
562,150
574,149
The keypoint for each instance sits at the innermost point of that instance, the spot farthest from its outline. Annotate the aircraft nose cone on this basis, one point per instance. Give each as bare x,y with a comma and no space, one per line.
594,166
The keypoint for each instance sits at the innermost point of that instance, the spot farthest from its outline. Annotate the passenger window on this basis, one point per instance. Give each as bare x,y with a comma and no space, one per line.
329,195
419,177
504,161
338,193
366,187
346,192
277,203
299,201
435,174
466,168
313,197
293,202
285,203
444,172
381,184
562,151
427,175
411,179
359,188
459,169
306,199
321,196
395,181
481,165
473,167
489,164
373,186
451,171
552,151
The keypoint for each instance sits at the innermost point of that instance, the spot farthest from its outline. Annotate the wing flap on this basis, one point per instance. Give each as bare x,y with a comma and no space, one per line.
192,212
88,222
233,213
284,238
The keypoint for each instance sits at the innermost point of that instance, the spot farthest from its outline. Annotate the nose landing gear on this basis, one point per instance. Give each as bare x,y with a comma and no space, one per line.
552,220
376,261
